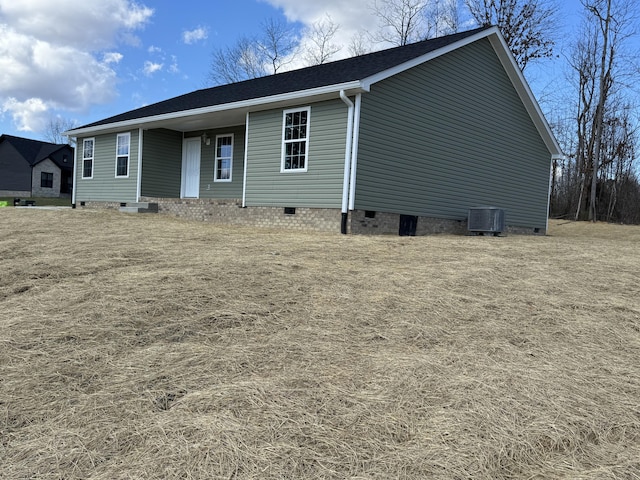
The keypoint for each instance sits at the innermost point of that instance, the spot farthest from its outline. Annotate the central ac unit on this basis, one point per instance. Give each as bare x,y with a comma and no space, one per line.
486,220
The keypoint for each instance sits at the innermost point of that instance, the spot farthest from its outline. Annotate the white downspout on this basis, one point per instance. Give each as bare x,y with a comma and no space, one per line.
139,186
246,157
354,152
75,174
347,162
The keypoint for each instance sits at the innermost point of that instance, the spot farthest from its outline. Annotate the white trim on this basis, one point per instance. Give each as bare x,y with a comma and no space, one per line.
215,159
284,97
246,158
139,179
305,140
347,151
354,152
128,155
93,157
75,173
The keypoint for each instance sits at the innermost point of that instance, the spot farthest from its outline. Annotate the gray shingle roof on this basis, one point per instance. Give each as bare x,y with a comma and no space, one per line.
333,73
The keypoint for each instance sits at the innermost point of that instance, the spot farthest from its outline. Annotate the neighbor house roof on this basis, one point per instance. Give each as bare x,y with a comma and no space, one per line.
35,151
201,108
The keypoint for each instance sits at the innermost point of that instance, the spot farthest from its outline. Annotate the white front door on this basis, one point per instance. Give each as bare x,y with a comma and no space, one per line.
191,168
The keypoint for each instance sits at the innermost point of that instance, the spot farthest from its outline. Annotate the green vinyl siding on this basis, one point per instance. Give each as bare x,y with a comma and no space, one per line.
220,190
321,185
104,186
161,163
448,135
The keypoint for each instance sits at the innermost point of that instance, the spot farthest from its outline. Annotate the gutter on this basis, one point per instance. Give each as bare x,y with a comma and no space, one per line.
354,152
347,163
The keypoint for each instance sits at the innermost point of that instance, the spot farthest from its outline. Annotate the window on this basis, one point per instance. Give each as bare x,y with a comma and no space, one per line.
122,154
87,157
46,180
295,140
224,158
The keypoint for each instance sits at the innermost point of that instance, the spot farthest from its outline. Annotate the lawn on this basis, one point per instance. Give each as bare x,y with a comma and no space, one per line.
40,201
148,347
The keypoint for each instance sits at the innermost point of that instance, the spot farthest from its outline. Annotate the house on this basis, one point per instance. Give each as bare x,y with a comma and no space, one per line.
30,168
408,138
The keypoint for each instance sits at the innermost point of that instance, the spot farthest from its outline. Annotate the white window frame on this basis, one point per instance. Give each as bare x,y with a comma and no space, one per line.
128,155
91,158
216,158
285,142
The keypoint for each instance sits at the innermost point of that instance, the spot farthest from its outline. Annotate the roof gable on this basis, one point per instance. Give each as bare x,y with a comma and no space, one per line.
35,151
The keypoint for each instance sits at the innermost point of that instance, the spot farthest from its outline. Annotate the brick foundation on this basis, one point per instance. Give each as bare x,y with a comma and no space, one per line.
230,212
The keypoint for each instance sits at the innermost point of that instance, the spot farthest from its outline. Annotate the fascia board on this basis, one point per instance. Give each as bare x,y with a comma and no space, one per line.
245,104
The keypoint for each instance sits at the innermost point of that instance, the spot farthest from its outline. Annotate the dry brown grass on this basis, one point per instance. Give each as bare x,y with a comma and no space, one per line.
140,347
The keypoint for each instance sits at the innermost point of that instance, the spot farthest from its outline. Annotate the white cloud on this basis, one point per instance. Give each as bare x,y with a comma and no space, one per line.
112,57
193,36
154,49
29,115
48,63
352,17
150,68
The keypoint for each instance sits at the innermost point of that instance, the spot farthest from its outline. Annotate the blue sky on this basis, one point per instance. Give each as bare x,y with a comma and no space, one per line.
88,60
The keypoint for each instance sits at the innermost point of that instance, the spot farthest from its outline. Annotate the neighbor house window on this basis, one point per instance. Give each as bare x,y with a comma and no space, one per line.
295,140
224,158
123,141
46,180
88,145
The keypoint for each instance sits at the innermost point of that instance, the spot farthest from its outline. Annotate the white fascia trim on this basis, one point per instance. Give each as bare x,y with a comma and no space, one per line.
367,82
301,94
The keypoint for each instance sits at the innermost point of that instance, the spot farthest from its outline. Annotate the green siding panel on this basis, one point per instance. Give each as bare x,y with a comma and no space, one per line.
321,185
104,186
448,135
221,190
161,163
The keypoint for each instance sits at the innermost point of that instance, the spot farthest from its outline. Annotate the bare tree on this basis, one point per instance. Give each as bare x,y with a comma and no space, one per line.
253,57
527,25
238,62
276,44
360,44
54,128
400,21
320,36
443,17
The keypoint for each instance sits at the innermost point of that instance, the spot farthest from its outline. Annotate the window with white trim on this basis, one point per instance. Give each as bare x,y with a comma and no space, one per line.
88,145
295,140
123,141
223,164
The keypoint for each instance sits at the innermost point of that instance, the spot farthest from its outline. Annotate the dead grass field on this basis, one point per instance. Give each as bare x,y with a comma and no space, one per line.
147,347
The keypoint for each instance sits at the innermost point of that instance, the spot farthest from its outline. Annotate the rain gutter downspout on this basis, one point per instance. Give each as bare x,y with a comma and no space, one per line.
75,174
246,158
347,163
354,152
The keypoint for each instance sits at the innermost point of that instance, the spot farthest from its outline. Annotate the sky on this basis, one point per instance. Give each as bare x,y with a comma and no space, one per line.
85,61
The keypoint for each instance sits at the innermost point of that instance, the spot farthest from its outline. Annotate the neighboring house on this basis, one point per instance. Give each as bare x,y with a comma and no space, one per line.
30,168
412,135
